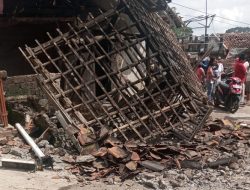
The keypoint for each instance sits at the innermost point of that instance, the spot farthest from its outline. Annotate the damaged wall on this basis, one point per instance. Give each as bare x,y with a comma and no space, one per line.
13,35
23,85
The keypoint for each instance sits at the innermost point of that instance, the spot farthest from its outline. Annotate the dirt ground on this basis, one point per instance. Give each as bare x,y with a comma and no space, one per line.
50,180
237,177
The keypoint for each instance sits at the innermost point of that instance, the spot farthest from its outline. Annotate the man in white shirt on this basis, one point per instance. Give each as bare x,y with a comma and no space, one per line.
220,69
247,86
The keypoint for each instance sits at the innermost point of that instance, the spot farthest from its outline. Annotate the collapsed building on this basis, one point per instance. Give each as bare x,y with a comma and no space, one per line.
124,91
121,73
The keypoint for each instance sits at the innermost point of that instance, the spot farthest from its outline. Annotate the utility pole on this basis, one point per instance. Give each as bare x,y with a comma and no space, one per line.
206,26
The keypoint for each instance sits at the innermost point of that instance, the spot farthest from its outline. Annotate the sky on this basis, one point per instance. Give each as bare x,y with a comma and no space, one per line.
237,10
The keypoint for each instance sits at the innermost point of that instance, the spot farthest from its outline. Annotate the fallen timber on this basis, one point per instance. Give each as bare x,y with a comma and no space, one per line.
120,74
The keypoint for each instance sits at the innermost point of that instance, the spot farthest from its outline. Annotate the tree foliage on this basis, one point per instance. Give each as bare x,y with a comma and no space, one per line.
238,30
183,32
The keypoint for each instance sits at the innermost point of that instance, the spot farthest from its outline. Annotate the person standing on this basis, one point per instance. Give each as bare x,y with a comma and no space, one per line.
210,79
240,72
247,85
200,74
220,69
205,63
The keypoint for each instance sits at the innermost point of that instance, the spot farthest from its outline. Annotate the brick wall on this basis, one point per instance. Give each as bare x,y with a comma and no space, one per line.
23,85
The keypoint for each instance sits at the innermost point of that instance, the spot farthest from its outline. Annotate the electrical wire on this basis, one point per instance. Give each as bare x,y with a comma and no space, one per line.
209,13
220,21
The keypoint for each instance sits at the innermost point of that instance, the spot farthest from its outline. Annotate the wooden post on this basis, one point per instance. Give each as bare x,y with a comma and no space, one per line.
3,111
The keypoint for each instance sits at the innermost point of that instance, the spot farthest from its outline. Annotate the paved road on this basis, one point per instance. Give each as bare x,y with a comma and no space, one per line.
242,114
19,180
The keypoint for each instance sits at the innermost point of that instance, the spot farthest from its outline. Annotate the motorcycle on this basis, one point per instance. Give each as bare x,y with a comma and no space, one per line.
228,94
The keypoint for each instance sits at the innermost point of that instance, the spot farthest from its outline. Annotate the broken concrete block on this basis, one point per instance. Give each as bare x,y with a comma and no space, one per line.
18,164
18,152
85,159
6,150
3,141
154,166
99,164
43,144
43,103
8,132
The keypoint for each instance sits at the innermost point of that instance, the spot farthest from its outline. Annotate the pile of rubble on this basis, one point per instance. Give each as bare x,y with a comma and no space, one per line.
220,143
127,101
121,74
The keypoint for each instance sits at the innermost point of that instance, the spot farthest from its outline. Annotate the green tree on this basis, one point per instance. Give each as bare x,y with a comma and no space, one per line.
183,32
238,30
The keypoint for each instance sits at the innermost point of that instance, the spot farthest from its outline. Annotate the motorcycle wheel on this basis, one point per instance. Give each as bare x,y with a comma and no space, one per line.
234,105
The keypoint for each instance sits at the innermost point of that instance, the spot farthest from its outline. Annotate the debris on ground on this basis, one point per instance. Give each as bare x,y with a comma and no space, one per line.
128,104
219,144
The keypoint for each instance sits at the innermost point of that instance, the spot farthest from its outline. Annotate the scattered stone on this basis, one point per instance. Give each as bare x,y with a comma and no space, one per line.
234,166
85,159
197,176
147,175
117,152
8,132
222,172
135,156
99,164
56,177
68,158
163,184
150,184
132,165
80,179
50,146
172,172
57,159
49,149
239,171
100,152
212,179
17,152
6,150
88,169
58,167
61,152
188,173
117,180
3,141
154,166
109,181
175,183
43,143
210,160
182,177
43,103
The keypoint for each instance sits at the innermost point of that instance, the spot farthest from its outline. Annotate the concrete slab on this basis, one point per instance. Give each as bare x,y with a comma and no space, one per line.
18,164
